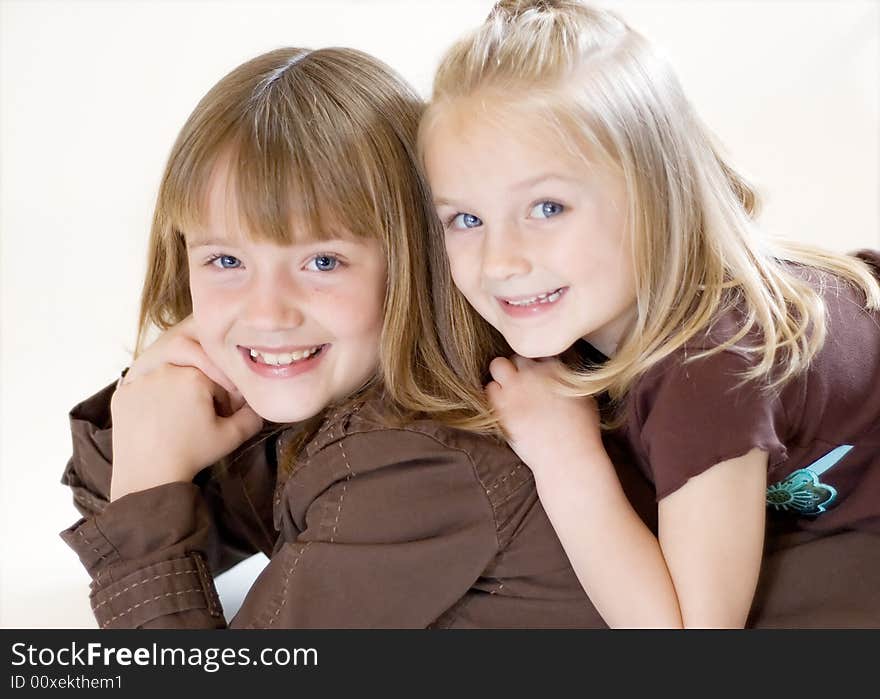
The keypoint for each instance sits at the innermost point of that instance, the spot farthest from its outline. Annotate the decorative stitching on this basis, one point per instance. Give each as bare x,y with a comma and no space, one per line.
140,582
141,604
286,581
344,488
515,469
89,544
215,609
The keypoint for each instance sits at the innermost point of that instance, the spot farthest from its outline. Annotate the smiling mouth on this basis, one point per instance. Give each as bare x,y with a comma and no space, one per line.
282,359
547,297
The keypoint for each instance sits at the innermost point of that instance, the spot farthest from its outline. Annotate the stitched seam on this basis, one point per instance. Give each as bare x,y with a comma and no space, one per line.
511,494
98,529
342,494
90,545
141,604
287,577
140,582
84,497
446,446
512,472
206,581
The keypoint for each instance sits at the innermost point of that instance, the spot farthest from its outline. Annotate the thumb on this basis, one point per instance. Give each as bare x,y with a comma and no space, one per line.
236,400
243,424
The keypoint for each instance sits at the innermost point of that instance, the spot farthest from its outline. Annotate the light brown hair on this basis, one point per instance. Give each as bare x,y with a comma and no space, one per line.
318,142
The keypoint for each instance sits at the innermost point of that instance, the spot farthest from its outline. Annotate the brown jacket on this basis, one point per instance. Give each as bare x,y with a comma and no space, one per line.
418,526
430,527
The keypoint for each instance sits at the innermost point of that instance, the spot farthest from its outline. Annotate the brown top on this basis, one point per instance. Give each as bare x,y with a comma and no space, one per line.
821,430
415,526
379,549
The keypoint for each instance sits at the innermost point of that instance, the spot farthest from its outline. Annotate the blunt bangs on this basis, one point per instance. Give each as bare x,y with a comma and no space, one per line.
303,161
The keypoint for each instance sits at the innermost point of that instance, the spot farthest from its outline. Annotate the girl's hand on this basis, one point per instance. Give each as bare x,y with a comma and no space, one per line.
543,426
179,346
173,414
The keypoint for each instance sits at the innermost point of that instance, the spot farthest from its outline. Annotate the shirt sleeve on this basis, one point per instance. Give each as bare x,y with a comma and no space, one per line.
384,543
693,415
236,494
387,542
148,554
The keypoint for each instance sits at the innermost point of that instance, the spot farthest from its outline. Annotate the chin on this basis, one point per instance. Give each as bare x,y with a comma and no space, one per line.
539,350
287,411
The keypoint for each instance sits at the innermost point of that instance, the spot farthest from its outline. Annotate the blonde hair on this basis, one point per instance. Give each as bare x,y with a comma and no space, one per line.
697,251
318,142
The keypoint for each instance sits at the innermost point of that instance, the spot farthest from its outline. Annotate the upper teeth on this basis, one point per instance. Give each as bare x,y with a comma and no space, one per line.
284,358
546,297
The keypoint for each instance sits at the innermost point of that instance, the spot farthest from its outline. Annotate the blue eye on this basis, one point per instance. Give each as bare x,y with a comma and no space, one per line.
225,262
323,263
546,209
460,221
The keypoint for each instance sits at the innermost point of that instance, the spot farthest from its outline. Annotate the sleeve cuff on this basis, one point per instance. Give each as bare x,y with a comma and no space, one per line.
168,587
164,521
93,548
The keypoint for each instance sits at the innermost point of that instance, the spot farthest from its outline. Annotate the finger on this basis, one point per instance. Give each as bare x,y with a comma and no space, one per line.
188,326
190,353
243,424
236,400
179,346
548,366
224,405
502,369
493,393
522,362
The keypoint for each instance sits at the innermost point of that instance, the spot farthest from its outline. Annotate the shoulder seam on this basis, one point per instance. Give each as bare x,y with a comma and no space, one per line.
433,438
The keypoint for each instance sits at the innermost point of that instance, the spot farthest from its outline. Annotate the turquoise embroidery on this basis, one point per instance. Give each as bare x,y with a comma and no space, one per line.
803,491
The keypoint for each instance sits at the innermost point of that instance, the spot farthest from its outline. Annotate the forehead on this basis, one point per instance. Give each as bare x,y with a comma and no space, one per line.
487,143
231,213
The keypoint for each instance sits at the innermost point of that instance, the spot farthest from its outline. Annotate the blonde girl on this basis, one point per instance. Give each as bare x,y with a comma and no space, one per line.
287,270
591,223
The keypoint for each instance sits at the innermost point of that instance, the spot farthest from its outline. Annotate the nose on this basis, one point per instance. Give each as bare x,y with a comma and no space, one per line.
504,255
275,302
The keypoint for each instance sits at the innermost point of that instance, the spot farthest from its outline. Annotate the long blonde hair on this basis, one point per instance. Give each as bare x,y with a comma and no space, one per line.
317,141
697,251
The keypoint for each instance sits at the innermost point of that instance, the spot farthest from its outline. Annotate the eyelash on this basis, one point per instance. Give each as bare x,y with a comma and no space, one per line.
213,258
330,256
451,219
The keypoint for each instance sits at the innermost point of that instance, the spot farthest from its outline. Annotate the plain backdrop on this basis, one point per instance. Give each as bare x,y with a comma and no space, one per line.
92,95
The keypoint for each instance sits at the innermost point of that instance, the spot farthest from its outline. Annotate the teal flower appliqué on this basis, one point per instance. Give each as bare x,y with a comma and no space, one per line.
802,491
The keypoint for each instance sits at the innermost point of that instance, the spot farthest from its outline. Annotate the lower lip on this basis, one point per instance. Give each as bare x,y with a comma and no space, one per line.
288,371
532,310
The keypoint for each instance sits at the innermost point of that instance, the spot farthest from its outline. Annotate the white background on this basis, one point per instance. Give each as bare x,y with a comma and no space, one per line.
92,95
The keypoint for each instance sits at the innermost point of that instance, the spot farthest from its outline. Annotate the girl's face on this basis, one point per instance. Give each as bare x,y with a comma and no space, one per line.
294,327
536,238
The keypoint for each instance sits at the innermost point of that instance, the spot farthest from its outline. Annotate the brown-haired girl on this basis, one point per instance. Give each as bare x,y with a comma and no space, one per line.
287,269
583,202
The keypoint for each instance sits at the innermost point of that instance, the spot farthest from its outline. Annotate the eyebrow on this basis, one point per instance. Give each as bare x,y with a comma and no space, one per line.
522,184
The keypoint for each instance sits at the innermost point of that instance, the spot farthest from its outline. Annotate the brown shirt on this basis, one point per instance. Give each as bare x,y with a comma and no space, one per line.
379,548
821,430
821,565
415,526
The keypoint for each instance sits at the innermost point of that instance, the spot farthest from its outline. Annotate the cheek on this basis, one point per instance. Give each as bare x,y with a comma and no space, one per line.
212,311
462,263
352,312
